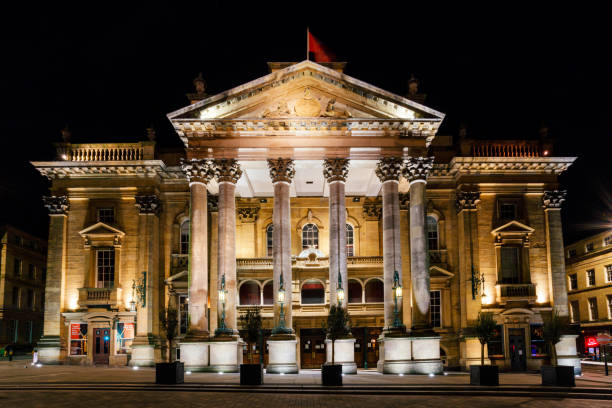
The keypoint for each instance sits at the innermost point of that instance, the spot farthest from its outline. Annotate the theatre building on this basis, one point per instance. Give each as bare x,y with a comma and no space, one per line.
296,191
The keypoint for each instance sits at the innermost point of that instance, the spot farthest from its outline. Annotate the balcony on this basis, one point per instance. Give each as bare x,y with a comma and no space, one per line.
518,292
439,258
106,151
91,297
179,263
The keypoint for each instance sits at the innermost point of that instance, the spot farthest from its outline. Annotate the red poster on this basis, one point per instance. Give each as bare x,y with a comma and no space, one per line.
75,331
128,330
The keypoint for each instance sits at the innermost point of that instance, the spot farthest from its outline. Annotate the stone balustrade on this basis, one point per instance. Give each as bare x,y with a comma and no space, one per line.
99,297
516,292
179,262
107,151
507,148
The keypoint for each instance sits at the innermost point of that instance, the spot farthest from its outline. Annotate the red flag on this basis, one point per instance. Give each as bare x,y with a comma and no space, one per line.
320,53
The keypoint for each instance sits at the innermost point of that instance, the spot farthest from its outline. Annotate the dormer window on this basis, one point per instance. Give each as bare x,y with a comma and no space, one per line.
571,253
608,240
590,247
106,215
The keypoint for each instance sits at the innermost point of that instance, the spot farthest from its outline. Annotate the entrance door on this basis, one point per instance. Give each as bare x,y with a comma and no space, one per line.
371,351
312,348
101,346
517,349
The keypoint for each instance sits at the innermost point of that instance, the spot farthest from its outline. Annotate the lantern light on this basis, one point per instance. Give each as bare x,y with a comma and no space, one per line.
221,295
340,293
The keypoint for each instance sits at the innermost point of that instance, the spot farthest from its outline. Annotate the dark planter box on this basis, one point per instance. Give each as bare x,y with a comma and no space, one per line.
251,374
331,374
484,375
560,376
170,373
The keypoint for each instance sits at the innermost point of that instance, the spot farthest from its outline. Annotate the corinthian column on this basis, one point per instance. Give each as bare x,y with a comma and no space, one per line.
49,345
335,172
551,202
198,173
227,173
388,171
416,172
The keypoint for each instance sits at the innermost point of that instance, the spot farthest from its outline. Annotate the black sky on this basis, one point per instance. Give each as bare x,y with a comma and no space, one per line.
110,72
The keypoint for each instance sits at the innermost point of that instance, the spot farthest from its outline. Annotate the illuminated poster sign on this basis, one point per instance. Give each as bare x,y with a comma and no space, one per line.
591,342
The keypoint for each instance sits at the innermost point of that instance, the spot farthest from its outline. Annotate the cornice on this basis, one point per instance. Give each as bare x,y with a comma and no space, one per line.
148,168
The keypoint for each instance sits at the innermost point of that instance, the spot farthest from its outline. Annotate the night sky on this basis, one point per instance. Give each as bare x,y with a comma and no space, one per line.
110,73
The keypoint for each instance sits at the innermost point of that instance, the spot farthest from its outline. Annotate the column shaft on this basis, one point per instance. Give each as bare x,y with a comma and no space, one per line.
226,250
56,266
556,259
198,261
418,256
337,241
392,250
281,252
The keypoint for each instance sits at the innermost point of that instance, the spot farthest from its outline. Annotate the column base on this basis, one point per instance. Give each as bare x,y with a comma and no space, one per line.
143,352
194,355
282,355
225,355
567,353
49,350
426,355
410,355
344,354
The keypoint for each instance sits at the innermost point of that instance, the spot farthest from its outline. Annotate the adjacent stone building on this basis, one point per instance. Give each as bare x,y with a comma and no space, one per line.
23,268
298,190
589,285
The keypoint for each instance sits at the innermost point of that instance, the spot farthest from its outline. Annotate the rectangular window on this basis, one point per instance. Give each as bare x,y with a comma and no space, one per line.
609,299
17,268
78,339
575,311
13,331
507,211
435,308
590,277
496,344
571,253
350,240
538,345
106,215
125,336
43,274
608,240
573,281
590,247
183,314
31,272
16,297
105,268
510,271
30,299
28,328
608,273
593,309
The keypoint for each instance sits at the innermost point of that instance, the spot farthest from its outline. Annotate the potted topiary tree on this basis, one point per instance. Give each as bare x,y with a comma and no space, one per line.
252,373
170,372
554,374
485,330
336,327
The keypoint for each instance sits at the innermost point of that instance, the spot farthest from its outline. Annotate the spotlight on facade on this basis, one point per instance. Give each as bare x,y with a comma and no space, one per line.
220,372
401,374
135,368
431,374
38,365
188,372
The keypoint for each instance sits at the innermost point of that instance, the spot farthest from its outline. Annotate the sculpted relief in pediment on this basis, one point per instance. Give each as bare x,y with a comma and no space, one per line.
306,105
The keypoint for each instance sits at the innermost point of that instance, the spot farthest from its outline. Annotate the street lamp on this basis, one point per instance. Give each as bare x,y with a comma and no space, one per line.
397,294
339,290
222,329
281,329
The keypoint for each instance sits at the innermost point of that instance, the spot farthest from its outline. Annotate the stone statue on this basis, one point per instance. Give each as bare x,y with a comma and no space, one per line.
331,112
282,109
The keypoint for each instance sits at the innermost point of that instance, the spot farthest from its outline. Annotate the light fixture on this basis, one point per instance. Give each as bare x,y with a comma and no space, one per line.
340,291
132,306
222,329
280,328
188,372
397,294
431,374
135,368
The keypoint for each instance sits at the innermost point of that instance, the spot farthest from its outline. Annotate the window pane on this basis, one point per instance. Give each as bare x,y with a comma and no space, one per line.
185,237
349,240
374,292
575,311
105,268
249,294
106,215
432,233
313,292
354,291
510,265
183,313
269,239
310,236
435,310
268,294
507,211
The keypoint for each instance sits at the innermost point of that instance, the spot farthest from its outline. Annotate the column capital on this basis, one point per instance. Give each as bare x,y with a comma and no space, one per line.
148,204
281,170
417,168
467,200
372,210
226,170
389,169
553,199
197,170
248,214
335,169
56,205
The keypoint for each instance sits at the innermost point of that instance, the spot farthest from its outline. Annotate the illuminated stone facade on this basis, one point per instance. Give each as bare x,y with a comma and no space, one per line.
316,177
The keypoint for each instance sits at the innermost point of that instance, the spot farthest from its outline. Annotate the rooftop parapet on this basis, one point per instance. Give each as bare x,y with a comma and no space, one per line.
85,152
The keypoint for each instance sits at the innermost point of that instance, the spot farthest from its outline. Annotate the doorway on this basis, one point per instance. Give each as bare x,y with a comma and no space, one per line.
101,346
312,348
516,342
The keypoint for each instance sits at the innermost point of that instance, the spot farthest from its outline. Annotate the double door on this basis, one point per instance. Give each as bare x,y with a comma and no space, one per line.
516,342
101,346
312,348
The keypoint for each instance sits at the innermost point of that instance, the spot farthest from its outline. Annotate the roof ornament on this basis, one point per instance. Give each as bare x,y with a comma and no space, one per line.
151,133
66,134
200,85
413,90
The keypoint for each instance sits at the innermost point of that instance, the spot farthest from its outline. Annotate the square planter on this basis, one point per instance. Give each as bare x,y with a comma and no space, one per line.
170,373
251,374
331,375
484,375
560,376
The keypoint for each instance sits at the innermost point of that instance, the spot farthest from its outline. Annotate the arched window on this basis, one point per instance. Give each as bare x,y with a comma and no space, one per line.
313,293
249,294
184,237
354,291
269,241
432,233
374,292
350,248
268,294
310,236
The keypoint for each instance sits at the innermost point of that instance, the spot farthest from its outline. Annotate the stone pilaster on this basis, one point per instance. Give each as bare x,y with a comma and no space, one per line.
335,172
389,170
551,202
227,173
49,346
416,172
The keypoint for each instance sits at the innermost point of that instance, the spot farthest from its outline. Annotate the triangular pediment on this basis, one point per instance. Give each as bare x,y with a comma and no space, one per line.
101,229
440,273
514,228
308,90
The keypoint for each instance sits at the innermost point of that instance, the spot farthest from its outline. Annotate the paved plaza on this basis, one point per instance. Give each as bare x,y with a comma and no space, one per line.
24,385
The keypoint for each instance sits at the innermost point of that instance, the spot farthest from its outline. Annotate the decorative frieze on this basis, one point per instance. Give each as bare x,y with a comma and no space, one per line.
389,169
227,170
281,170
56,205
335,169
417,168
467,200
372,210
248,214
553,198
197,170
148,204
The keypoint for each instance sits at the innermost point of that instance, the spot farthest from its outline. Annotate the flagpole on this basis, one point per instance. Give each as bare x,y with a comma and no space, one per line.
307,43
